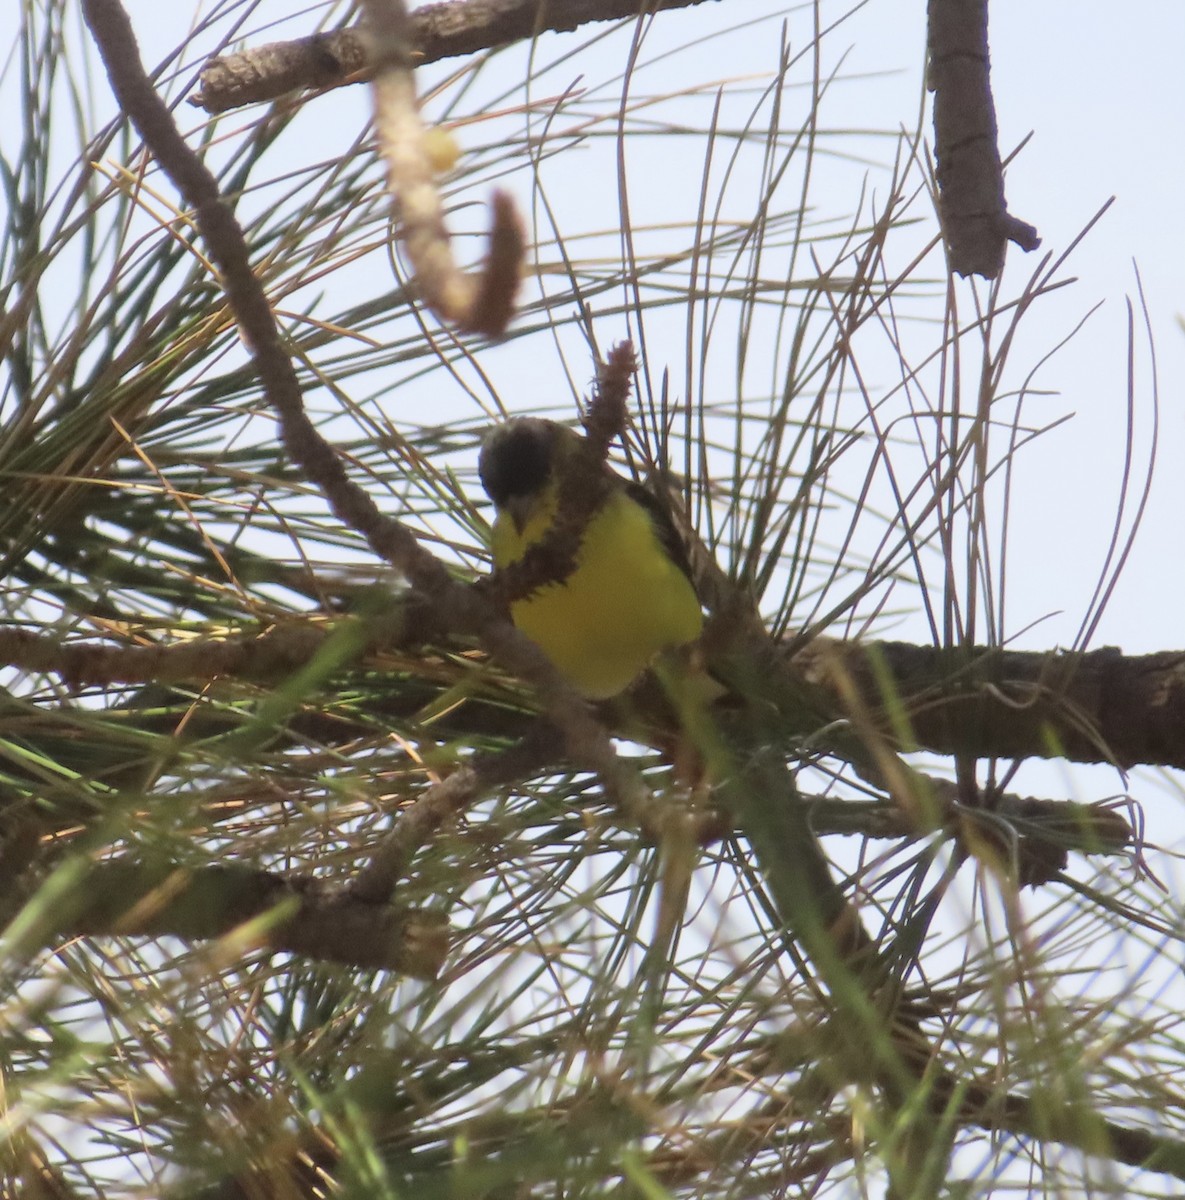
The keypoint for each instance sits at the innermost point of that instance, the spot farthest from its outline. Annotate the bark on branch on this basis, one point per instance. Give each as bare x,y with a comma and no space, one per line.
1101,706
975,218
304,916
345,56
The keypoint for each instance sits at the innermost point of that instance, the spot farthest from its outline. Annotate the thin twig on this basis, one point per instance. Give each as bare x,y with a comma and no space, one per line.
377,881
582,486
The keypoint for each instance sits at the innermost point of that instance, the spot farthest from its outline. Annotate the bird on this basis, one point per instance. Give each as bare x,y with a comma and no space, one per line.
629,596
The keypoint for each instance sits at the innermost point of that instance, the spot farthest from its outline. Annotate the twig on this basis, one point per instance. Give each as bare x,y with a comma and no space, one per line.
1060,824
608,410
228,249
377,881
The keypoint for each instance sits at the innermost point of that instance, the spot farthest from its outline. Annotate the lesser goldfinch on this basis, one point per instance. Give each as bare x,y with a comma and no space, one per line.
629,596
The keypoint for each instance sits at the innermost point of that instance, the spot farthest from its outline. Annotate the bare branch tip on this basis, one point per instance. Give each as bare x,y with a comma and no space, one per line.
609,410
1021,233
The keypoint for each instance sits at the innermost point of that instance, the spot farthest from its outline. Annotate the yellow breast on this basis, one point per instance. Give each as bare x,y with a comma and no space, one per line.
624,602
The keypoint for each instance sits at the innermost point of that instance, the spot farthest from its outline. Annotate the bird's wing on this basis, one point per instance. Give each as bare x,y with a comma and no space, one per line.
664,526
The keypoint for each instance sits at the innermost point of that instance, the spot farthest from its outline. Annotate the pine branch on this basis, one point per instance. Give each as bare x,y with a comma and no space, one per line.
1098,706
303,916
975,219
482,304
436,31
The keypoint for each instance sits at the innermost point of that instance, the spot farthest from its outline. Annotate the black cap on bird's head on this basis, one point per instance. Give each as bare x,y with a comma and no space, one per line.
517,458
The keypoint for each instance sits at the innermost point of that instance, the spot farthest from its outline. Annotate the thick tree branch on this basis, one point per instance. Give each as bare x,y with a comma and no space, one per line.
328,60
303,916
1100,706
975,217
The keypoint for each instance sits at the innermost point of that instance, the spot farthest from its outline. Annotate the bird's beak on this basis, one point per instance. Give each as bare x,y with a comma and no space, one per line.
520,508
